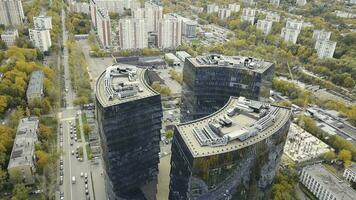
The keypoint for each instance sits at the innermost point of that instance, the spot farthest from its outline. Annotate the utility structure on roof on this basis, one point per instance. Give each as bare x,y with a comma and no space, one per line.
233,153
209,81
129,116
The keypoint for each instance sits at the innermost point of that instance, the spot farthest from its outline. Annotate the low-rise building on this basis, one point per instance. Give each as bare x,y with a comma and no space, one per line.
35,86
325,185
172,60
182,55
42,22
9,36
248,14
325,48
265,26
302,146
350,173
224,13
22,160
40,38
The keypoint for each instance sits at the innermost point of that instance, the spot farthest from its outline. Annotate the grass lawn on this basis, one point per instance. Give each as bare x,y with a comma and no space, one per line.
79,136
89,152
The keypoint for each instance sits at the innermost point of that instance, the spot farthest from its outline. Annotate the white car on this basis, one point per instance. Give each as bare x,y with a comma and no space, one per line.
85,175
72,152
81,174
73,180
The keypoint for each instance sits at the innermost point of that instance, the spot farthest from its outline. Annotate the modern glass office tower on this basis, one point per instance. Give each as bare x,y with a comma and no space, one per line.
129,116
209,81
233,153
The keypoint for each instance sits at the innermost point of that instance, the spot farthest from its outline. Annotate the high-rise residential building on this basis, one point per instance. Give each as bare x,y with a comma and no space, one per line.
129,114
35,87
188,26
325,48
103,27
265,26
80,7
209,81
301,2
42,22
22,159
169,32
321,35
11,12
248,14
273,16
9,36
291,31
212,8
324,185
153,15
224,13
132,33
275,2
40,38
234,7
233,153
350,173
93,7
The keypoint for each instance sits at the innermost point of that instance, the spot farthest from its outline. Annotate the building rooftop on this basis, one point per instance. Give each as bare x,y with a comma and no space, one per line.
339,188
240,123
120,84
172,57
10,32
239,62
35,86
24,144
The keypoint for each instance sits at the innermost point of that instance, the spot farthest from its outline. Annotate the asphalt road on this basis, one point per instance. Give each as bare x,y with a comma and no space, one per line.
72,167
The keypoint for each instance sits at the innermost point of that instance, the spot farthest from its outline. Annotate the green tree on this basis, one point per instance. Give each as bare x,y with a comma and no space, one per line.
20,192
329,156
169,134
345,156
42,160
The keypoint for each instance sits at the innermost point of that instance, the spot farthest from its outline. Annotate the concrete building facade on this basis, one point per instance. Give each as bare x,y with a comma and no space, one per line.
22,159
169,33
129,115
321,35
40,38
224,13
325,48
248,14
103,27
233,153
350,173
35,87
42,22
11,12
212,8
209,81
325,185
9,37
132,33
265,26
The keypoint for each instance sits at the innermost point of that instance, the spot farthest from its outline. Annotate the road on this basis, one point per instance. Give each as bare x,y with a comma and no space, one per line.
72,167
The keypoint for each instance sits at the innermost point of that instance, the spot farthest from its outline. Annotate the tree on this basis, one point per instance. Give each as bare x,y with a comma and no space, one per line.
329,156
42,160
3,103
345,156
20,192
86,129
169,134
3,179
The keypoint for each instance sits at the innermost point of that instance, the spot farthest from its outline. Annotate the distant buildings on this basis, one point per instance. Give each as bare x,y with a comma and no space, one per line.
115,6
350,173
224,13
302,146
234,7
248,14
265,26
275,2
103,27
233,153
35,87
324,185
153,14
22,160
133,33
11,12
40,38
272,16
212,8
291,31
129,116
301,2
324,47
169,32
344,14
42,22
9,36
209,81
80,7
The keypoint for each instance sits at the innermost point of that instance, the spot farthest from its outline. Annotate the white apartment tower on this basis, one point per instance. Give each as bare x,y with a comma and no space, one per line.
326,49
9,37
301,2
153,13
93,8
248,14
212,8
103,27
265,26
40,38
234,7
132,33
224,13
169,32
11,12
321,35
291,31
42,22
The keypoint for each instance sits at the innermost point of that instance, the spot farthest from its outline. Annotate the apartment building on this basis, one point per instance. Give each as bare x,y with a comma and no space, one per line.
350,173
265,26
212,8
132,33
248,14
11,12
42,22
40,38
325,48
169,32
224,13
9,36
103,27
35,87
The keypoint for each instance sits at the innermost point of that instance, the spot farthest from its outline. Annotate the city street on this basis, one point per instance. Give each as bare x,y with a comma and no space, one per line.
72,167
